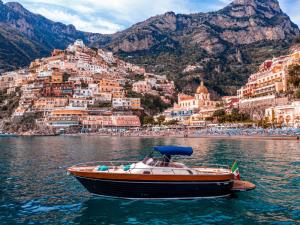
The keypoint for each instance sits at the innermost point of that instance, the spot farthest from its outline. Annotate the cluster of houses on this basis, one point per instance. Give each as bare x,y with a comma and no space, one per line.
86,88
193,111
264,97
80,87
268,90
155,85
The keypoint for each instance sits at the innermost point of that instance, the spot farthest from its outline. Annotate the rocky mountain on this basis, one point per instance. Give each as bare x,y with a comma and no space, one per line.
224,47
25,36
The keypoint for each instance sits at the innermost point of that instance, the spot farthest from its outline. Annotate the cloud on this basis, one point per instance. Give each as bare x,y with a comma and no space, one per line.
91,24
109,16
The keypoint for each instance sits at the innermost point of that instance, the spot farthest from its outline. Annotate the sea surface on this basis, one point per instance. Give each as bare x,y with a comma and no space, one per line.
35,188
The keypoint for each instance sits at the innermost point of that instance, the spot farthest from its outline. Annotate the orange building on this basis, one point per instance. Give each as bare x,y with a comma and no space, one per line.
126,121
110,86
61,118
271,78
50,103
141,87
96,122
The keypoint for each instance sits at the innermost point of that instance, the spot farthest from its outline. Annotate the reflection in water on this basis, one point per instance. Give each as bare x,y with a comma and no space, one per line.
34,187
153,212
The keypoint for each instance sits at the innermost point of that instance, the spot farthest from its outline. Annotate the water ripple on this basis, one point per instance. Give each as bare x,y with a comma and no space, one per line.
34,188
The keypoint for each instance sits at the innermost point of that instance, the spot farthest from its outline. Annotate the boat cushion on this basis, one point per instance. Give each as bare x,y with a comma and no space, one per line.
102,168
126,168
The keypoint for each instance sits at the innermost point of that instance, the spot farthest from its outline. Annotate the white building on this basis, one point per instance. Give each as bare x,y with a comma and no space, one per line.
80,102
94,88
84,79
102,97
93,68
141,87
82,93
130,103
287,115
45,73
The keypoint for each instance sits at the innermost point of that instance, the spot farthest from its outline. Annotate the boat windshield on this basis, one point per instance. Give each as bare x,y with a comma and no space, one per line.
156,162
150,161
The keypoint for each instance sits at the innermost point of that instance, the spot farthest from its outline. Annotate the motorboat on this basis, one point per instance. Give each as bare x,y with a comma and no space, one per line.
159,177
8,135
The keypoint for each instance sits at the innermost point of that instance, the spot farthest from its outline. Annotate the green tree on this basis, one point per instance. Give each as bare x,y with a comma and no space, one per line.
171,122
219,113
161,119
153,104
297,93
148,120
294,74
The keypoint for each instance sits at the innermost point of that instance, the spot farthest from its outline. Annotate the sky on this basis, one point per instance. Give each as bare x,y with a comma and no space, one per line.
110,16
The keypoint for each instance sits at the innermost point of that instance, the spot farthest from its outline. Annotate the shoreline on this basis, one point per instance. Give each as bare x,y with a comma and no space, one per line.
233,137
166,135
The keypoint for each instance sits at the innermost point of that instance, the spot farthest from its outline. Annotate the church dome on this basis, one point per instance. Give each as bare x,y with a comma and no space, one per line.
202,89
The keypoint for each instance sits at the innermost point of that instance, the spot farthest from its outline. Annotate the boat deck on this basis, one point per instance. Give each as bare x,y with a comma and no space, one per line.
154,170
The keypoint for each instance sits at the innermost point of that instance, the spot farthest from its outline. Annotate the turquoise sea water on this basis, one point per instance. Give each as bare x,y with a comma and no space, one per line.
35,189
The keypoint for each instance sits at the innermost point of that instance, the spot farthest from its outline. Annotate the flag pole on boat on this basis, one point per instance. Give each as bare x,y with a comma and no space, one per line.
235,171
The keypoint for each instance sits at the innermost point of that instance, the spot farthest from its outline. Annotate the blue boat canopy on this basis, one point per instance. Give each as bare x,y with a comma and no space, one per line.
174,150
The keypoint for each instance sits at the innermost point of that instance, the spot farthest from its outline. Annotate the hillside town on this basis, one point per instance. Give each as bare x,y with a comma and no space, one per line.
83,89
79,88
269,97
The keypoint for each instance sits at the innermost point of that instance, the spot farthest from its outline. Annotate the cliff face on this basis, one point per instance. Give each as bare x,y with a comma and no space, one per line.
25,36
248,21
224,46
241,22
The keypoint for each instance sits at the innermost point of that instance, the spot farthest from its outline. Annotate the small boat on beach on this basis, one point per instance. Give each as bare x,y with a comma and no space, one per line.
8,135
159,178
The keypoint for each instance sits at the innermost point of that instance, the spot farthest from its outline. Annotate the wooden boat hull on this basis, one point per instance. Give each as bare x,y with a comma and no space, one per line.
139,189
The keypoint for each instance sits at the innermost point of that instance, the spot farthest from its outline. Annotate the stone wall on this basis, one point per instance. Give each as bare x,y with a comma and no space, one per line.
256,107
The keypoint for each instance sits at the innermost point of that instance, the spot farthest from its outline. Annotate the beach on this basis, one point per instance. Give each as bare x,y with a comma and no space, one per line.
263,134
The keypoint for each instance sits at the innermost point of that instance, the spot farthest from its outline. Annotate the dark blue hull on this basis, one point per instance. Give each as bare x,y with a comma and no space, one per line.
156,189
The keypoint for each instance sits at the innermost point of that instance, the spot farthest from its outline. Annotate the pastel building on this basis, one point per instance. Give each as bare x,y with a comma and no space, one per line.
200,100
110,86
96,121
50,103
81,102
65,118
102,97
126,103
167,88
200,106
116,121
272,77
141,87
6,79
126,121
287,115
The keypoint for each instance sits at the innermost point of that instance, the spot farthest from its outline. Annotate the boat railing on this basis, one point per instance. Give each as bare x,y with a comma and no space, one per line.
204,165
106,163
112,165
